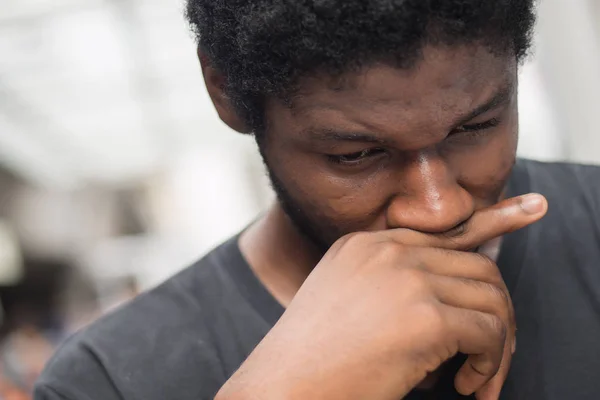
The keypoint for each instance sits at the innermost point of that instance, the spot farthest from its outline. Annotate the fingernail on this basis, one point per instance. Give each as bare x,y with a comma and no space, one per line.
514,345
532,203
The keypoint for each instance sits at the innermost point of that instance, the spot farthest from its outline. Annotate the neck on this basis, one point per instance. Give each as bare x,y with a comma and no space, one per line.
279,255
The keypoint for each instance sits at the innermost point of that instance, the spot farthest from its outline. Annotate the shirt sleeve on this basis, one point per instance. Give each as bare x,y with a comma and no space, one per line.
75,373
45,392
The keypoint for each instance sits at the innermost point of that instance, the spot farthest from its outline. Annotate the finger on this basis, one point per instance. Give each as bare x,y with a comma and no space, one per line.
472,295
492,390
505,217
481,336
487,298
458,264
477,285
468,266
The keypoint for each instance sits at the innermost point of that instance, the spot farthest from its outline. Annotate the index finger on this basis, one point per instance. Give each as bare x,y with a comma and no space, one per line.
507,216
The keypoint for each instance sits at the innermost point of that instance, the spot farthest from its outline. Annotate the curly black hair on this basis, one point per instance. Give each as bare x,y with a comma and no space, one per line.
264,46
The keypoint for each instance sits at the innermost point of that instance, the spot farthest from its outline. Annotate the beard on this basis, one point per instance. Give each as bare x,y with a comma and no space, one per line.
322,230
301,220
316,228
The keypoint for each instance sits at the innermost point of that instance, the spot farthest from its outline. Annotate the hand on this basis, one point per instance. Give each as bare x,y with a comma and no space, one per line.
383,309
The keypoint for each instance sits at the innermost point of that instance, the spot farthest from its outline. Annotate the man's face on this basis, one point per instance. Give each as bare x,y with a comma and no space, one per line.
387,148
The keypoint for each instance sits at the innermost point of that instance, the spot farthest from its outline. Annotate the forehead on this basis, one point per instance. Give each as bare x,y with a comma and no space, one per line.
444,84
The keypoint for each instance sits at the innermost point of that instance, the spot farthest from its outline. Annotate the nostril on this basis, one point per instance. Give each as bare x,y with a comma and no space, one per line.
448,215
458,231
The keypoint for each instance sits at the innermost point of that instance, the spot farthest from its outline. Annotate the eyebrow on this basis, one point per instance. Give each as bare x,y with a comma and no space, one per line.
501,97
334,135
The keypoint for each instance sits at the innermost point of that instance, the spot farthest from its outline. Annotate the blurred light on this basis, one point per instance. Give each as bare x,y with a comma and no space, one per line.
31,160
87,45
539,136
11,262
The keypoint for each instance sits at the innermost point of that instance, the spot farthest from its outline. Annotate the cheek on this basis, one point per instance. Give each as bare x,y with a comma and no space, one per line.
352,204
344,205
484,171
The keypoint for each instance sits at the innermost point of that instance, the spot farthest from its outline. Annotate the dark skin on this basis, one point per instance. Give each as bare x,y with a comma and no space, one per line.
419,158
419,140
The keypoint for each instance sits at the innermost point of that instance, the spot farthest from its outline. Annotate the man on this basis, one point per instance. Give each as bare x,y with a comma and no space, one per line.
389,130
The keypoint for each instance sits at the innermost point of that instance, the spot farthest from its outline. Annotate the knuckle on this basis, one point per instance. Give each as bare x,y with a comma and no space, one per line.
499,328
352,240
488,265
414,281
391,251
352,243
499,294
502,302
489,269
434,321
487,367
357,237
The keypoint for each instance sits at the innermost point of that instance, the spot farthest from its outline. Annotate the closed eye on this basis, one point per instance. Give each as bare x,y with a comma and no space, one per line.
352,159
476,127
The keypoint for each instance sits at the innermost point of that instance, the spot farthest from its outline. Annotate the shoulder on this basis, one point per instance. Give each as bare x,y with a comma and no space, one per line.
571,227
565,184
161,338
557,174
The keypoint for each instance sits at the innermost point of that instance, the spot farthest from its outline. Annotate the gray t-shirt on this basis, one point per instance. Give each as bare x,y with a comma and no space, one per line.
184,339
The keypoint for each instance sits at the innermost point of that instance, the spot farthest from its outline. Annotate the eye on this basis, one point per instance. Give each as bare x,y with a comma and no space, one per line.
475,128
353,159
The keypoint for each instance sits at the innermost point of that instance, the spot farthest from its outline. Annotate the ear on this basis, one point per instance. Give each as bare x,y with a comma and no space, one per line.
215,85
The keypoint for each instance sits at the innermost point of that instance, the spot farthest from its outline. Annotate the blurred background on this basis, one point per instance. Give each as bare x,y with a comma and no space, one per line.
115,172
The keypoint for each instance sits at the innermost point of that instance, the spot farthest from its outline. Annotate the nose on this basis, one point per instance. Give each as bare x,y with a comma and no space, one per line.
431,199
